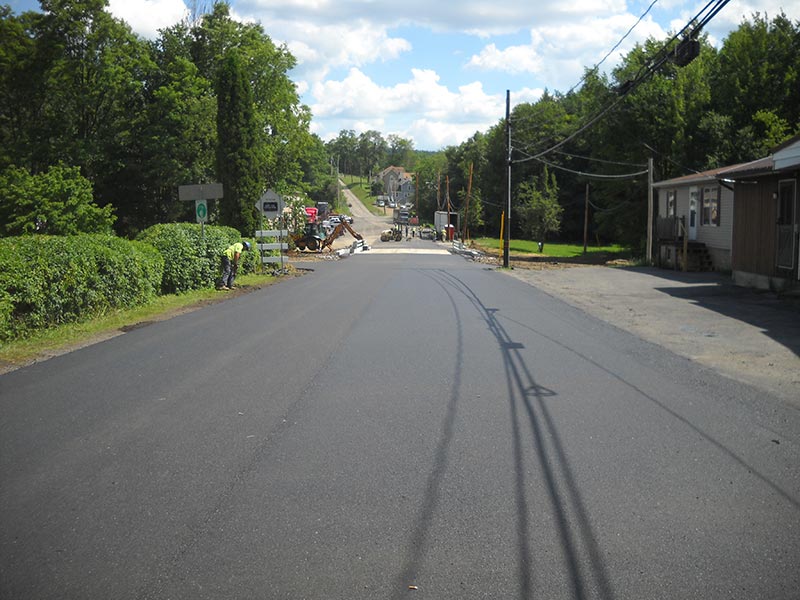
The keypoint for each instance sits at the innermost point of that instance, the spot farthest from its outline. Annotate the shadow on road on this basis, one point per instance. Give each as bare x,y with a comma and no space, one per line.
585,567
587,574
778,317
586,570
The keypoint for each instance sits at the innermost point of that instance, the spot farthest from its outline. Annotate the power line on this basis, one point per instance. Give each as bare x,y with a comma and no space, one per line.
645,71
622,39
600,160
591,175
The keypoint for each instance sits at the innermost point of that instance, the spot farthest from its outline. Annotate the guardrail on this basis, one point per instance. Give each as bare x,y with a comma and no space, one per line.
356,247
460,247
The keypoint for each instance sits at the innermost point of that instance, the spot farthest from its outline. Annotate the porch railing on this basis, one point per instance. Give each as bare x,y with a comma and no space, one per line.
669,229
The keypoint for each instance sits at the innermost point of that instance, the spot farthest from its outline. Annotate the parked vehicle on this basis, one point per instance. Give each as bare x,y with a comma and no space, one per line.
401,216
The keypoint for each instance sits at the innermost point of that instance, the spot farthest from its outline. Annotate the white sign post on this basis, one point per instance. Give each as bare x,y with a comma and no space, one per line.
270,205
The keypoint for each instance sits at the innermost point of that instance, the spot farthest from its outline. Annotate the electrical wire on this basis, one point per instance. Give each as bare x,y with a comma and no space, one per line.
591,175
600,160
644,73
674,162
622,39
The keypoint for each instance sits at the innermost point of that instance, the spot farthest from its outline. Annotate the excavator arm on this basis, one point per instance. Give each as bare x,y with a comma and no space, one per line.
337,231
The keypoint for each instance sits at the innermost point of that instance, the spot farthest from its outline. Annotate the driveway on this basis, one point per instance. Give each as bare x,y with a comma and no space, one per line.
749,336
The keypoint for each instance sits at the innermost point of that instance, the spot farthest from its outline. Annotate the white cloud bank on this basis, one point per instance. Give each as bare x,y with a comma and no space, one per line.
146,17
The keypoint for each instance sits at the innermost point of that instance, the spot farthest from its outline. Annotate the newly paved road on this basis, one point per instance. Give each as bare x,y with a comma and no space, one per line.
390,421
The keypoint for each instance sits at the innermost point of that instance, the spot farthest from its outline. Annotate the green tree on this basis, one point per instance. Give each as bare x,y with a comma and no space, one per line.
56,202
371,152
759,70
538,208
319,178
345,150
281,124
237,163
474,212
21,90
399,152
174,137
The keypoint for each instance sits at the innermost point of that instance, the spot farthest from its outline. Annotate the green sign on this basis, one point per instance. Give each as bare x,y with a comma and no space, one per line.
201,210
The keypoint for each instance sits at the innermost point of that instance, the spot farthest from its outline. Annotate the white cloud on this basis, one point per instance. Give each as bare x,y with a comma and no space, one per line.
558,54
353,44
514,59
146,17
420,108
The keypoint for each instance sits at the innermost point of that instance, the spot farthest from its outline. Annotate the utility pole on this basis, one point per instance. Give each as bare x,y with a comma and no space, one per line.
507,224
649,253
447,198
416,193
466,206
586,219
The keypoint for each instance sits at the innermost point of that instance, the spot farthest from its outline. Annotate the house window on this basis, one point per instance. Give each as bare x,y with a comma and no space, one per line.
711,207
671,203
786,202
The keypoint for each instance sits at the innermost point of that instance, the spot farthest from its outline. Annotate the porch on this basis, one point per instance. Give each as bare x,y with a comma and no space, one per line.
676,251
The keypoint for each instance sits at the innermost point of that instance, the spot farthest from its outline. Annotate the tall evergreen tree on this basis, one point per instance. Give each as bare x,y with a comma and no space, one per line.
237,163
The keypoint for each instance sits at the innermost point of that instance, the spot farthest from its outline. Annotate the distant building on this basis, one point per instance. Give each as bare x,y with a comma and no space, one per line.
398,184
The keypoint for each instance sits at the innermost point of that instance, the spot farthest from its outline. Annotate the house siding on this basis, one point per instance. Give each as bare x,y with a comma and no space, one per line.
755,239
754,223
718,239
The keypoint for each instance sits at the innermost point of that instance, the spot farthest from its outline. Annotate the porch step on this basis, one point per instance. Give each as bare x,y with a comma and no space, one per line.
698,255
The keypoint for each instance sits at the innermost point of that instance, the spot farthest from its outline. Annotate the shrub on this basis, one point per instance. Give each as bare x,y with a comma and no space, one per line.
57,202
192,256
50,280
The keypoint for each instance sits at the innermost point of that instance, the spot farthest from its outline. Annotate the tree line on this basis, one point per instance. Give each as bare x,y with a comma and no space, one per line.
98,122
87,105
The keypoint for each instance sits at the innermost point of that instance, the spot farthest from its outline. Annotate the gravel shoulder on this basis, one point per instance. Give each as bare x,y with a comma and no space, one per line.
749,336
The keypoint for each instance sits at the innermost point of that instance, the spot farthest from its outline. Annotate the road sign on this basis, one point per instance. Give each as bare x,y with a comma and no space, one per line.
270,204
203,191
201,210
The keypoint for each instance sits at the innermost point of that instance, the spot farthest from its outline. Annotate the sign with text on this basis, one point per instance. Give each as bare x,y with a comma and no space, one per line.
270,204
201,191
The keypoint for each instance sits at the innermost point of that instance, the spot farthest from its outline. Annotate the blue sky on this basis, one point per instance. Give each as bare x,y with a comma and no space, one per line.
437,71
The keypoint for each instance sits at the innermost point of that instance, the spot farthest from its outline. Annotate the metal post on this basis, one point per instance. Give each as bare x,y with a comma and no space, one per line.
507,238
586,220
650,211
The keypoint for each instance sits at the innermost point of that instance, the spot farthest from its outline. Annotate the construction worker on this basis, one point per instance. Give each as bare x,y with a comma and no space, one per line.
230,264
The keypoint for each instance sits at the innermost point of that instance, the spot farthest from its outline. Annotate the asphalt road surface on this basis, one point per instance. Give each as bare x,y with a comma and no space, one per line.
393,426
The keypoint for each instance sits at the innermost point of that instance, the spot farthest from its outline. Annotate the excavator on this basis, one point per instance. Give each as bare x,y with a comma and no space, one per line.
337,231
312,237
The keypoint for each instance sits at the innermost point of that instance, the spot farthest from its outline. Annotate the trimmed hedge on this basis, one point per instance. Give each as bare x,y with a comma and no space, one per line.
50,280
192,261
